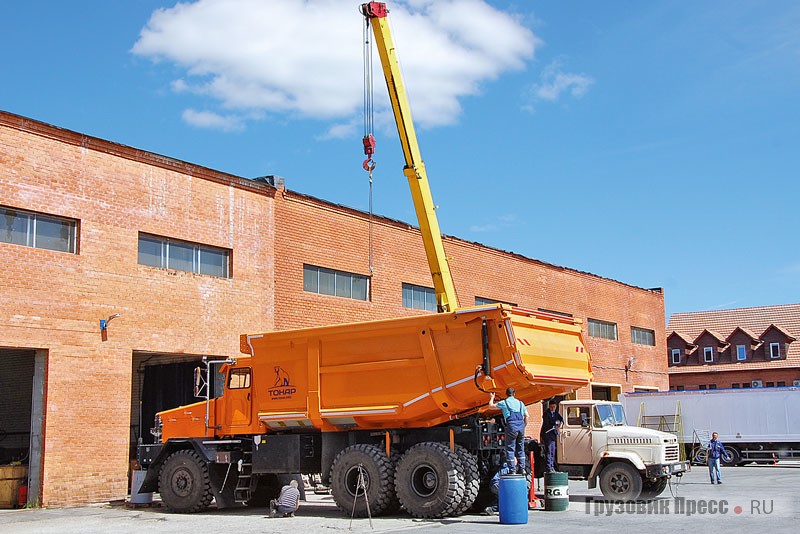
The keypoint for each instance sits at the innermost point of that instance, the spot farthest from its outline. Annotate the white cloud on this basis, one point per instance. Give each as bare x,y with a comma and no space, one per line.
305,58
553,82
209,119
500,222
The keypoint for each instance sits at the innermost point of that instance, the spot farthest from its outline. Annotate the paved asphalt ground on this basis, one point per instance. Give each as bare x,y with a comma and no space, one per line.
751,499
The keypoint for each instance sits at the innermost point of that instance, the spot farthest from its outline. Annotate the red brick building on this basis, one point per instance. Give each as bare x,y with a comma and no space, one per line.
190,258
740,348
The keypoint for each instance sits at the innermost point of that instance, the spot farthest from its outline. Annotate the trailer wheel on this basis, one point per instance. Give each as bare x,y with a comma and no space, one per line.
732,456
430,481
651,490
184,483
378,474
472,479
620,482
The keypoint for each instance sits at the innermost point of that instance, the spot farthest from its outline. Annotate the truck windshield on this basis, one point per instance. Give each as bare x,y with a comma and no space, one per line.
610,414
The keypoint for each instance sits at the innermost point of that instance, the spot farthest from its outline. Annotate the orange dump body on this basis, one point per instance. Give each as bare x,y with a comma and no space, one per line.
398,373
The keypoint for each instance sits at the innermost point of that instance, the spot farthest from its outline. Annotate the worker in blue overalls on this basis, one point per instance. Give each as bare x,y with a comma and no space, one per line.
516,416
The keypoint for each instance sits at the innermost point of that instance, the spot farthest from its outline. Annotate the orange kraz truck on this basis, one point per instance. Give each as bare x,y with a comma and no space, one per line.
395,408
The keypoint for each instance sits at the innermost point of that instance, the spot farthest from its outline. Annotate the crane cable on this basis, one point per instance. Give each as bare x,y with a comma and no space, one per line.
368,139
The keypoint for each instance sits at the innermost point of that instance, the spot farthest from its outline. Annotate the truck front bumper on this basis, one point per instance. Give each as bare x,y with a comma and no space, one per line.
666,470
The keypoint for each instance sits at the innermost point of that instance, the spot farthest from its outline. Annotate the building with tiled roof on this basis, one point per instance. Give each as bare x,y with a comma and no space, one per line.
739,348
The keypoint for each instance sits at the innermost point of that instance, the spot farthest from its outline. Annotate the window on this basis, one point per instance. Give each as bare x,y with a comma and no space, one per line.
578,416
676,356
781,384
770,384
602,329
735,386
336,283
643,336
419,297
480,301
554,312
741,352
708,354
239,378
183,256
30,229
774,350
745,385
712,386
678,388
702,387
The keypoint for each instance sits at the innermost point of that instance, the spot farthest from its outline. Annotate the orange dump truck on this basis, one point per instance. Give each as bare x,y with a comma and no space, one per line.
400,404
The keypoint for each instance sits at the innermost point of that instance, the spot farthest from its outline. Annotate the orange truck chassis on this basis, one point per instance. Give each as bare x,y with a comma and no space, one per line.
401,402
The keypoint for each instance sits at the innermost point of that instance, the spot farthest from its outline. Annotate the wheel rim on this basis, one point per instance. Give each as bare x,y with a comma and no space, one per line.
620,483
351,480
424,480
182,482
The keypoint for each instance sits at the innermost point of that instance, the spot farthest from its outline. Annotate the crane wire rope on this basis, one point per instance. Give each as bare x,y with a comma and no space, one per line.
368,139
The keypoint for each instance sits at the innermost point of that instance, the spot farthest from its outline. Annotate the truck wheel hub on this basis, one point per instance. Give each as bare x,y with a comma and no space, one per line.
424,481
620,483
182,483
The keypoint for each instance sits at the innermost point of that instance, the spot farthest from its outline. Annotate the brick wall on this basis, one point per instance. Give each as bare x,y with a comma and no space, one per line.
54,300
724,379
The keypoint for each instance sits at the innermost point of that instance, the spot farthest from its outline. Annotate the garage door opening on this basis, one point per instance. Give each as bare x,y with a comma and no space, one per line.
22,379
162,382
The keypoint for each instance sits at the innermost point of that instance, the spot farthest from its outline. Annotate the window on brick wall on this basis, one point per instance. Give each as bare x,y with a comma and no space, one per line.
554,312
37,230
781,384
170,253
643,336
480,301
419,297
602,329
337,283
679,388
735,386
708,354
702,387
676,356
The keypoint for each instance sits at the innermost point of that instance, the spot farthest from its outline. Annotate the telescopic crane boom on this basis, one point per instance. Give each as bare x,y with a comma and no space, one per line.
375,15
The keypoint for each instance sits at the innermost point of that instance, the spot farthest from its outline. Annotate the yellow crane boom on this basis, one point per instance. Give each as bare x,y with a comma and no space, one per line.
375,15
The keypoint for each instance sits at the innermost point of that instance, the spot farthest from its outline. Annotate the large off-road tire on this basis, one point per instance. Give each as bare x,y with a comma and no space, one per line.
378,473
184,483
620,482
651,490
472,479
430,481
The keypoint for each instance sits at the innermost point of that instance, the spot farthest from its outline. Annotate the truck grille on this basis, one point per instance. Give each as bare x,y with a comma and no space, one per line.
671,453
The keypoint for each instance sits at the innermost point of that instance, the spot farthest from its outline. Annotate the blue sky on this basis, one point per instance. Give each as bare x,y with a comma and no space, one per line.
655,143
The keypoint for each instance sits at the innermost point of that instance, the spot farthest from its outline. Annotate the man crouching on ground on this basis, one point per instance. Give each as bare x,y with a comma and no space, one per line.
287,502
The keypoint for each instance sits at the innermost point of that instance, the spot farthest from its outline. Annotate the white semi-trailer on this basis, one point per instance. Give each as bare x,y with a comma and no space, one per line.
759,424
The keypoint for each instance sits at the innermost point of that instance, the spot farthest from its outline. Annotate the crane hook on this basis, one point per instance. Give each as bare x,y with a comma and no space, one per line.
369,150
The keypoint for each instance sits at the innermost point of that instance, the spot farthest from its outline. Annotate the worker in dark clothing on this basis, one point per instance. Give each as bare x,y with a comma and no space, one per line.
494,487
551,420
516,415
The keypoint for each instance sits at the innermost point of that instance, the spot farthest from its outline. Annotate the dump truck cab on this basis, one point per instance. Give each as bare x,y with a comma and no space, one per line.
596,444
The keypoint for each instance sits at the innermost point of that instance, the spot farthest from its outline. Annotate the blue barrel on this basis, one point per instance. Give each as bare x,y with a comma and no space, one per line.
556,492
512,500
